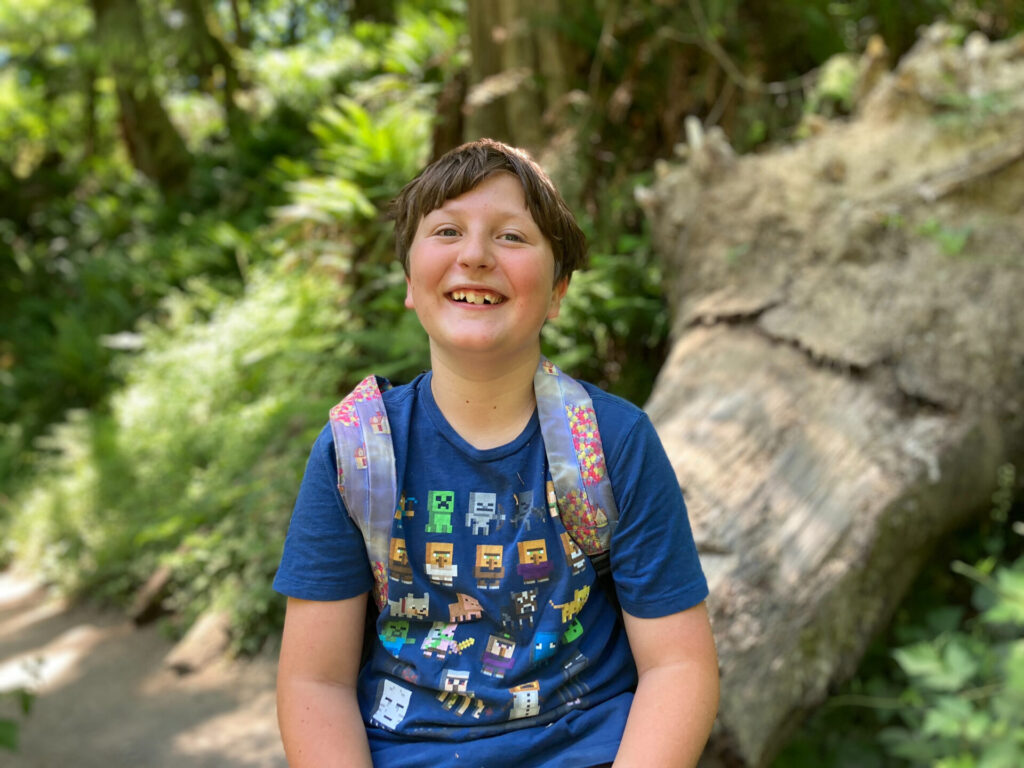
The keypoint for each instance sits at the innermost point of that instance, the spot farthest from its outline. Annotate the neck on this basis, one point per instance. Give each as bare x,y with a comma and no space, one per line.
487,404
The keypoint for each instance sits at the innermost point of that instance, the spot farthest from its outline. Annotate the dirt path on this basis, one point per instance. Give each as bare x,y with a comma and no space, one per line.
105,701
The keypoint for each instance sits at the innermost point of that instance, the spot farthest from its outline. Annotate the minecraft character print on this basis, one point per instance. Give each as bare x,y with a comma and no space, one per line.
483,510
574,606
395,636
400,569
525,700
524,606
405,506
525,510
573,632
497,658
440,641
440,565
574,556
410,606
489,570
466,608
573,689
391,705
544,646
534,565
440,505
454,690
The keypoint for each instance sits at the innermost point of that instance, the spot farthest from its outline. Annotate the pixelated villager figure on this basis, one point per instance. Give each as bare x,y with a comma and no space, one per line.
489,570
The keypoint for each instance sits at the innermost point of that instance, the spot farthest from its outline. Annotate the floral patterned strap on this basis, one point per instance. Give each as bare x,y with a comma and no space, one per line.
576,458
367,480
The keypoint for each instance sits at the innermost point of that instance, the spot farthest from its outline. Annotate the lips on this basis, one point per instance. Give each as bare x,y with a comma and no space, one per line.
476,296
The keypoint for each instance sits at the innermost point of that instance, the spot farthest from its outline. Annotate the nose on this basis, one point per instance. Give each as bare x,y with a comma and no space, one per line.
476,252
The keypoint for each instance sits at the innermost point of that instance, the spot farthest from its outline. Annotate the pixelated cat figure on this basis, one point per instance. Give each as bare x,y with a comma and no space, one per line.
483,510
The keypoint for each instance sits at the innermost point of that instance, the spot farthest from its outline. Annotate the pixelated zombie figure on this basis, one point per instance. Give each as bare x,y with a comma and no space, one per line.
525,511
574,556
534,565
466,608
454,691
489,569
440,505
525,700
440,641
524,606
391,705
497,659
400,569
395,636
410,606
483,510
440,566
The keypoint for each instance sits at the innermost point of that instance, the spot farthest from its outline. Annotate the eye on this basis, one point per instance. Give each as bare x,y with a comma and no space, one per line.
447,232
512,237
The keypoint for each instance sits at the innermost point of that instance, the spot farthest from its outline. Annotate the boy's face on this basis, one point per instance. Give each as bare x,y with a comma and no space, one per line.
481,273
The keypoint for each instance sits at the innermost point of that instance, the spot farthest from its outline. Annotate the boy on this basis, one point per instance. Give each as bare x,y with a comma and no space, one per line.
499,648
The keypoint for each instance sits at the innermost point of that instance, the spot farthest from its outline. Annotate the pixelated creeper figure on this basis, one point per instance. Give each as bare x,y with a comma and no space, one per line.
440,504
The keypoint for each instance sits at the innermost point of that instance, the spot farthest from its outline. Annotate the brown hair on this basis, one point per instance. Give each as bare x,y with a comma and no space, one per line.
462,169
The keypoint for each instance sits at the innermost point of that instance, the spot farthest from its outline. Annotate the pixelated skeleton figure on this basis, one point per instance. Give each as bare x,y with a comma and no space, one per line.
483,510
439,565
391,705
489,570
455,684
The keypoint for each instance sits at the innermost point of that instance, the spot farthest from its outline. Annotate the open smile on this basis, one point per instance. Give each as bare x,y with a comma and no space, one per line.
476,297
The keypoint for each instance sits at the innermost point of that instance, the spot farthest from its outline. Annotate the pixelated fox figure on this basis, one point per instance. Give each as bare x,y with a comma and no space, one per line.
454,692
574,606
466,608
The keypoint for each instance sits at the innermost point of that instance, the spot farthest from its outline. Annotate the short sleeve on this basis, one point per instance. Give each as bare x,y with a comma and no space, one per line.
653,555
324,555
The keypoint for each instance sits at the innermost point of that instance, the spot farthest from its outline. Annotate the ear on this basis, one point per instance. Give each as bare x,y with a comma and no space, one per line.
408,294
557,294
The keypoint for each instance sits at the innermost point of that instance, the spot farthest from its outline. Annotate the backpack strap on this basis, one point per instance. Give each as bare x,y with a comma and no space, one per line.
366,472
572,442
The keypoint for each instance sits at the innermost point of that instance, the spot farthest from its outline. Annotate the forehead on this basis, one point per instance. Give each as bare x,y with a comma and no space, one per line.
500,193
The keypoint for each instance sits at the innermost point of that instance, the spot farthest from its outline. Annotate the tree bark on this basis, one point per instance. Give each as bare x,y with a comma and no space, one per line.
846,373
154,144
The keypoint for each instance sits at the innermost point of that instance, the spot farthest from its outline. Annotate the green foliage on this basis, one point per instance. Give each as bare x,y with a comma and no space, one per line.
952,693
8,725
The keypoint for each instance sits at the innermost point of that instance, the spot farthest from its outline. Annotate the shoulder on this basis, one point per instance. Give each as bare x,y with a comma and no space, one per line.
617,418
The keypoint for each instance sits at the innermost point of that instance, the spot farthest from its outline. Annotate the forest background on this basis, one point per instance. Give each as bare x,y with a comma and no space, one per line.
195,263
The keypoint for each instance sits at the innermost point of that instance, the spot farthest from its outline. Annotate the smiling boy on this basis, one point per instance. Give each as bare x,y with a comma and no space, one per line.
488,247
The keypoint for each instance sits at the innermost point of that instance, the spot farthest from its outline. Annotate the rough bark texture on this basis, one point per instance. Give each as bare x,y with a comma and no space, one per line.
848,365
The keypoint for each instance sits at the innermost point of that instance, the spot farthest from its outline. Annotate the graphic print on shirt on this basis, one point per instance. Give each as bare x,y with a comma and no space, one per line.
534,565
574,606
497,658
440,564
525,700
524,607
465,608
400,568
483,510
395,636
455,690
391,705
410,606
488,569
574,556
573,688
525,511
544,646
440,641
440,505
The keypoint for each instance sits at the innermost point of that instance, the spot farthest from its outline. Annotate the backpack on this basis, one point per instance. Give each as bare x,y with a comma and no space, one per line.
579,492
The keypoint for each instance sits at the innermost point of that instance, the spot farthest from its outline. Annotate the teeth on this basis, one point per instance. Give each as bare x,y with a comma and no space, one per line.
475,297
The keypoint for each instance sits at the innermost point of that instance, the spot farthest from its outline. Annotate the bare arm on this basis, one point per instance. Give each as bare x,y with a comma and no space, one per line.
317,709
677,694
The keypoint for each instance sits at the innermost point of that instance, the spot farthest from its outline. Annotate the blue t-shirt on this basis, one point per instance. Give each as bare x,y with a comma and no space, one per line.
497,646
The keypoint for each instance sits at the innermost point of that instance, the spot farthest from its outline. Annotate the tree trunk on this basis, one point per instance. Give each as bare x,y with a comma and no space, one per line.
154,144
846,373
